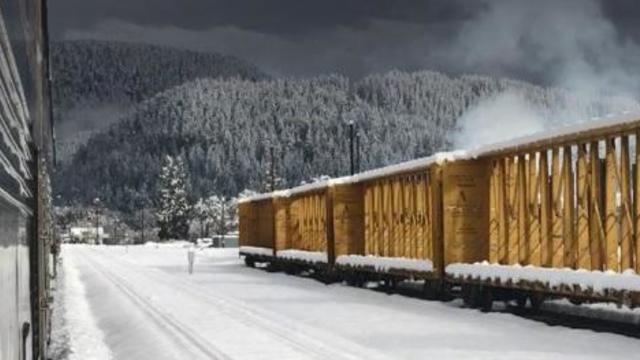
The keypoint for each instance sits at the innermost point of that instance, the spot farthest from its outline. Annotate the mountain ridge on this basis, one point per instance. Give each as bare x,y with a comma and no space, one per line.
224,128
98,82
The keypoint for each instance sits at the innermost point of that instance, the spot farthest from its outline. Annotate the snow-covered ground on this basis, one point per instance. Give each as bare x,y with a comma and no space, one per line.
140,303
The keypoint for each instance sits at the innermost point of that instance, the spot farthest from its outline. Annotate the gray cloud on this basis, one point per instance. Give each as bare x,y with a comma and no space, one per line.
282,17
545,41
571,43
373,47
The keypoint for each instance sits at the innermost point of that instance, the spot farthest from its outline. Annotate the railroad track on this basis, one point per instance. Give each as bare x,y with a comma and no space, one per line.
554,315
314,343
178,331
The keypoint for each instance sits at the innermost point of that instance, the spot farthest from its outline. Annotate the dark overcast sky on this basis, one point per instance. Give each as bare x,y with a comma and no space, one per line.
281,17
544,40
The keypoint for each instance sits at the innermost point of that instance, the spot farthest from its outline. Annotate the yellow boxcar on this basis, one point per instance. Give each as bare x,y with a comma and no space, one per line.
257,226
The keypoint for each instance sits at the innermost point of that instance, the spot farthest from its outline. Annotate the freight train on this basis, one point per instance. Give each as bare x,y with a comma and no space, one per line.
552,215
26,161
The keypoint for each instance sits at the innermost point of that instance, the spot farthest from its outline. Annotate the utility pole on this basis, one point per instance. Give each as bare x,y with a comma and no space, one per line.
222,224
142,203
351,133
96,201
358,152
273,169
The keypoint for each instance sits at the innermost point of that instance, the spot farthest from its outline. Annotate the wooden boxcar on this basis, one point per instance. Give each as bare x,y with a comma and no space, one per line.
546,216
306,216
257,238
387,225
564,220
288,229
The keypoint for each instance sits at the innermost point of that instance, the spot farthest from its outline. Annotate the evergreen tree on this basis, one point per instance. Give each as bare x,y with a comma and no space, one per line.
224,215
202,214
224,129
173,207
215,213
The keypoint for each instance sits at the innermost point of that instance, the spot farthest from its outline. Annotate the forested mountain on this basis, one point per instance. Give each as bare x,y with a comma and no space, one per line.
96,83
223,129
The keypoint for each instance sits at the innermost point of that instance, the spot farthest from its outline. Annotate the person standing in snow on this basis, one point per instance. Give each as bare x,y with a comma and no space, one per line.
191,257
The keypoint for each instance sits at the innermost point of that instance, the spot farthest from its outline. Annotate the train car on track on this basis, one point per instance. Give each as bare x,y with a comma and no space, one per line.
564,219
26,158
289,229
548,216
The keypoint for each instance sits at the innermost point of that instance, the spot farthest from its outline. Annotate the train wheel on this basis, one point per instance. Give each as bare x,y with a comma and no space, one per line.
470,295
485,300
465,293
432,290
274,267
394,284
360,280
389,285
325,277
291,270
352,280
249,262
575,301
536,301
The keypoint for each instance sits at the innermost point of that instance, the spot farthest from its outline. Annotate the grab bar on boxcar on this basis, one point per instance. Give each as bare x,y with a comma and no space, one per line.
25,334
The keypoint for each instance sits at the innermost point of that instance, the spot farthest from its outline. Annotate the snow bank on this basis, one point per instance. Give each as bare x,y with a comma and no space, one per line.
86,339
386,263
254,250
597,281
309,256
172,243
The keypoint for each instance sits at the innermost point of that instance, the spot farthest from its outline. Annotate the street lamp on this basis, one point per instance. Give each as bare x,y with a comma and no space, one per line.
358,152
96,202
142,204
351,134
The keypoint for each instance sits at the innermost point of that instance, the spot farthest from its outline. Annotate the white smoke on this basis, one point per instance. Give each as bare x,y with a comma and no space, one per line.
569,42
508,114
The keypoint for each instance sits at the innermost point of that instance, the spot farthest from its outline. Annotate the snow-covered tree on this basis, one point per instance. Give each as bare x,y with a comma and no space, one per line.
173,207
215,215
247,193
225,216
224,129
201,215
271,179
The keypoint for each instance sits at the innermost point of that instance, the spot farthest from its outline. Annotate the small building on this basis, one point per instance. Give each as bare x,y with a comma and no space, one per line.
89,235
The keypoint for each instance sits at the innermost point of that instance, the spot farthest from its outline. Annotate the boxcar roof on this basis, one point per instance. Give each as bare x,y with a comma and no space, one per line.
611,125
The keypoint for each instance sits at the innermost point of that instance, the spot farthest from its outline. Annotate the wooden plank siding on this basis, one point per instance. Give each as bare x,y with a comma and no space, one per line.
533,208
401,214
351,211
308,225
575,206
583,206
257,224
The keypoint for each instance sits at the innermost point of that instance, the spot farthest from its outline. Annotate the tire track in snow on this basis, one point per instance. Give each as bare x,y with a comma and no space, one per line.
321,344
160,317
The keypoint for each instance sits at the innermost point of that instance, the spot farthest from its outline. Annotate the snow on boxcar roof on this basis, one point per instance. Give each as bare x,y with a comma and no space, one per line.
625,119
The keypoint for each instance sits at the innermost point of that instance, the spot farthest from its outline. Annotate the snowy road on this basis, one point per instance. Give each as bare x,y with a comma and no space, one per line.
142,304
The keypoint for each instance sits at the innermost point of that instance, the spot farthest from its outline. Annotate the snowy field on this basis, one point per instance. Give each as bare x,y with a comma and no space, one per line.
140,303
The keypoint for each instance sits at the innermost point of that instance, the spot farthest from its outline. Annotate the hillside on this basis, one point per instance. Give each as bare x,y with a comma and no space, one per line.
96,83
223,129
